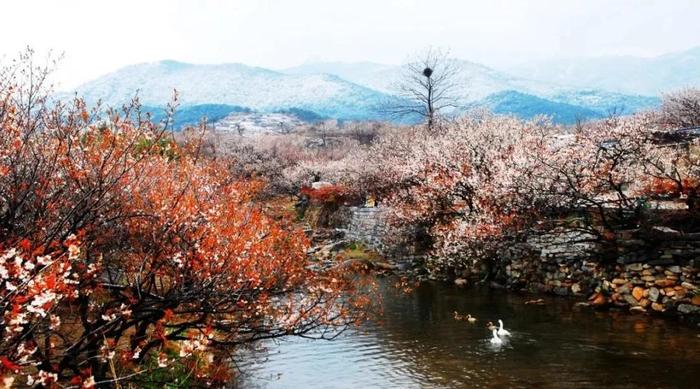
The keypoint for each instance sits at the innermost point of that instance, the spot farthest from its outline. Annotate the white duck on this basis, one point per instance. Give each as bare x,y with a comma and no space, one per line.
496,340
502,331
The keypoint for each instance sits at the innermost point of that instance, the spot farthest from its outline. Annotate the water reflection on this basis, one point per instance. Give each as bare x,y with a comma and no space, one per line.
419,344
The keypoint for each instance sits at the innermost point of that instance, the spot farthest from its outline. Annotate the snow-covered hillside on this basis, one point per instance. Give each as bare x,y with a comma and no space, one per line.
473,81
476,83
238,85
629,75
360,91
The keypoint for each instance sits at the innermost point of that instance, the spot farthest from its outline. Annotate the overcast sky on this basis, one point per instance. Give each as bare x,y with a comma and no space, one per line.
100,36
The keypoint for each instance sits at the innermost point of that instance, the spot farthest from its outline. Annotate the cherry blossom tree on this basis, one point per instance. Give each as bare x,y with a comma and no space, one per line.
124,253
681,108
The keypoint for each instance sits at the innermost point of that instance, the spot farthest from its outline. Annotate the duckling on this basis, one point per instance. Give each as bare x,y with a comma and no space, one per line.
458,316
471,319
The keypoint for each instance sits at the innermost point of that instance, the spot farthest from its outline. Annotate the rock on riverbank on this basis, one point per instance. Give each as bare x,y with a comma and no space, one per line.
640,287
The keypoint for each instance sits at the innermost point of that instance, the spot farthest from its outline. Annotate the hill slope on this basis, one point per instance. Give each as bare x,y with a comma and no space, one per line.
235,85
354,91
630,75
475,82
527,106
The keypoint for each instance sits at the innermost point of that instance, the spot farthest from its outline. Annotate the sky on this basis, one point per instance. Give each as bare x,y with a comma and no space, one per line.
97,37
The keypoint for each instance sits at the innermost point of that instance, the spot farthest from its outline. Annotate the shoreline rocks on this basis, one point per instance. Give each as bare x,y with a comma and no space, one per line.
639,287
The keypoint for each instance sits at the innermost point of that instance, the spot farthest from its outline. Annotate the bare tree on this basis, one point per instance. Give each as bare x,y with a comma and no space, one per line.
364,132
426,88
323,130
239,129
284,128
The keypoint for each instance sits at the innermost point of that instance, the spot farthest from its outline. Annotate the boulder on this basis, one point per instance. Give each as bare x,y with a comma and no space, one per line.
653,294
630,300
680,292
637,309
576,288
638,293
634,267
598,300
461,282
687,309
657,307
664,283
695,300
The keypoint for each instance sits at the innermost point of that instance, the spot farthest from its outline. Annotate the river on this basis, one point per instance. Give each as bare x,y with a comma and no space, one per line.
419,344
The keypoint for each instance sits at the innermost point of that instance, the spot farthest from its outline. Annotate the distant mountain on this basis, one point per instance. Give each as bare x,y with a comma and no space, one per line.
629,75
527,106
236,85
604,102
357,91
475,83
370,74
472,81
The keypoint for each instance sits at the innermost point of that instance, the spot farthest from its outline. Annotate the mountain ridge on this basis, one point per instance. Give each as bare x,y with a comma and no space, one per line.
624,74
236,85
358,90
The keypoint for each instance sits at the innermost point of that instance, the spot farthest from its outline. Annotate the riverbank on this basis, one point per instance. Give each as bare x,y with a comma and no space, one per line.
638,287
663,282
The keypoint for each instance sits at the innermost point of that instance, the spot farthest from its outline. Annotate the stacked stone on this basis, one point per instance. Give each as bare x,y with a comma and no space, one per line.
368,226
641,287
644,287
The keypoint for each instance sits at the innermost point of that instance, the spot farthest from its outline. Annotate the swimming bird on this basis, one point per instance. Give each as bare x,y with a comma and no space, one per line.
502,331
496,340
490,326
471,319
458,316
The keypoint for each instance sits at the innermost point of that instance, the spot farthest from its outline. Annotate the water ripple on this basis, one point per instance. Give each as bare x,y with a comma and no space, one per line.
420,345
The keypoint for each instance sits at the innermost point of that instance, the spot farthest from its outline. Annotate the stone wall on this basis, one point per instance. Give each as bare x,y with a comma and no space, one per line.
659,273
648,275
369,227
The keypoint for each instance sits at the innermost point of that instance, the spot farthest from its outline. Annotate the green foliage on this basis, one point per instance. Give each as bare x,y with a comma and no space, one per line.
163,147
175,375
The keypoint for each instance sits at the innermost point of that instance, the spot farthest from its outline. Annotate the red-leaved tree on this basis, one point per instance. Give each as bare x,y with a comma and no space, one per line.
125,256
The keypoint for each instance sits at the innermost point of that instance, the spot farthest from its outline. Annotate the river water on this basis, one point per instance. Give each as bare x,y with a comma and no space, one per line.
419,344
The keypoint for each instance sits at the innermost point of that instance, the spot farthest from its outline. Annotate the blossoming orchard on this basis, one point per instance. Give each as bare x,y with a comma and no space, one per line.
475,183
134,254
127,256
